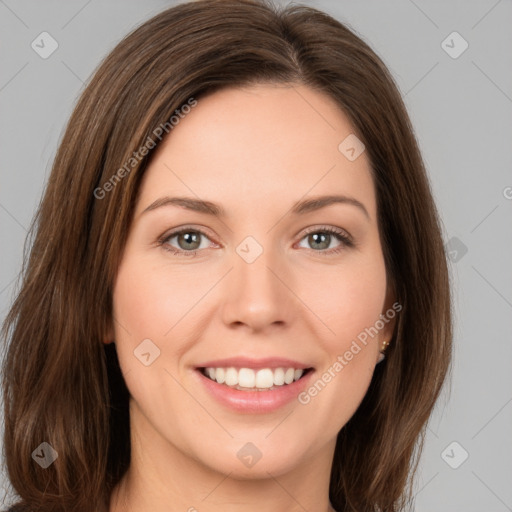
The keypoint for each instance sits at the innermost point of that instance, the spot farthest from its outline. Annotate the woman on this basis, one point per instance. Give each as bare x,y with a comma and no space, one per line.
172,346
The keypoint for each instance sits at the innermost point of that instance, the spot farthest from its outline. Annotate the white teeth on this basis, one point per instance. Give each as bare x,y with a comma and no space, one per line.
264,378
220,375
289,375
246,377
278,376
231,376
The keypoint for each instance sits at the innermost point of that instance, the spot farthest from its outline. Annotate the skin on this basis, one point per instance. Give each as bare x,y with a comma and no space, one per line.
255,151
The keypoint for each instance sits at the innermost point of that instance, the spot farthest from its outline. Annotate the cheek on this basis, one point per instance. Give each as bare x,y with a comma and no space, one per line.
150,299
350,308
350,303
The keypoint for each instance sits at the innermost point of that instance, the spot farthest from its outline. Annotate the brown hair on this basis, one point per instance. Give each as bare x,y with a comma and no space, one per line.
63,386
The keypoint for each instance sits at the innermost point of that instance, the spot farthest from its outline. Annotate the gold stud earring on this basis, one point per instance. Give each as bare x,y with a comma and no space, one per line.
382,356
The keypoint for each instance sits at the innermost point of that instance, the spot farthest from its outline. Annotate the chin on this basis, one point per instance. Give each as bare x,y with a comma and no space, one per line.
248,460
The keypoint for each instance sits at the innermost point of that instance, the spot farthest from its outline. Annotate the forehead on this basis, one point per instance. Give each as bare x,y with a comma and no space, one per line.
252,146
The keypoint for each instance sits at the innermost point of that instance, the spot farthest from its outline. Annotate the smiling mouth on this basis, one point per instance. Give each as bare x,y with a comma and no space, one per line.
249,379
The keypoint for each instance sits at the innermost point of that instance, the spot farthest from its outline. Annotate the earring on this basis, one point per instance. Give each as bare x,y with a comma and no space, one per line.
382,356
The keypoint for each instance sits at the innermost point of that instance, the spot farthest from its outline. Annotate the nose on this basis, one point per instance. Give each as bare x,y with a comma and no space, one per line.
258,295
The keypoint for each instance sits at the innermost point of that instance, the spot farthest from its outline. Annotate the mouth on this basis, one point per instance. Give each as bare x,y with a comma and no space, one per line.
254,386
254,379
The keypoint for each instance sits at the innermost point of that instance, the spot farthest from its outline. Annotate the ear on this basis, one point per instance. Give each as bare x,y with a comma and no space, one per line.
108,337
389,314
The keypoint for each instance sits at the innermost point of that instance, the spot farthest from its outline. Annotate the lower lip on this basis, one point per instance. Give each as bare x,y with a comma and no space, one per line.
255,401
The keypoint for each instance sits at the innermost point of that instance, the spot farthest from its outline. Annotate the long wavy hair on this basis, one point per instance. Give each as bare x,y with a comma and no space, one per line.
63,386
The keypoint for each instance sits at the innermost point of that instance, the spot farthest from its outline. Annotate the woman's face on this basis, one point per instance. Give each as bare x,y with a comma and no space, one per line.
267,287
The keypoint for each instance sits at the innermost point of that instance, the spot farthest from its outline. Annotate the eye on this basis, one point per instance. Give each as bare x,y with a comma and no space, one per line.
320,238
187,239
189,243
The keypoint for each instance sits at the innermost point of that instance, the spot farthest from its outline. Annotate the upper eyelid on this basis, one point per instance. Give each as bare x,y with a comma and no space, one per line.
333,229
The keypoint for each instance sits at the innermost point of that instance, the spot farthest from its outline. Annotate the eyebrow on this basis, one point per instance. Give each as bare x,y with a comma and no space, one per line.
299,208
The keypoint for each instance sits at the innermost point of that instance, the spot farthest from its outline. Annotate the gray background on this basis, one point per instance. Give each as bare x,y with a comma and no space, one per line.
462,112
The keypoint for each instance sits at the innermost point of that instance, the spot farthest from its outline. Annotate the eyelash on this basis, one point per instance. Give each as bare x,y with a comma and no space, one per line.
346,241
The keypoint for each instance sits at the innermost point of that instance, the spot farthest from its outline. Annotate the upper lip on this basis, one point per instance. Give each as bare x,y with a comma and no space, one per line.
246,362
